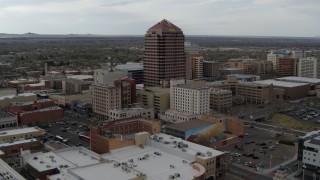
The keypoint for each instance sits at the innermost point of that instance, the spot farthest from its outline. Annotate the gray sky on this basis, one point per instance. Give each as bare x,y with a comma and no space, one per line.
134,17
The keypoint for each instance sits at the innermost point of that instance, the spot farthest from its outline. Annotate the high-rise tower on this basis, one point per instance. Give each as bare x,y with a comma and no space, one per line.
164,56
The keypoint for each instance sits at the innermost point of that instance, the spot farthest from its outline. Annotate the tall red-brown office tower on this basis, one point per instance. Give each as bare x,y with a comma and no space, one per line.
164,56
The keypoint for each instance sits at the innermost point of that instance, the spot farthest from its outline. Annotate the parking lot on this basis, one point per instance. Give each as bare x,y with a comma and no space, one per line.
259,149
306,114
69,128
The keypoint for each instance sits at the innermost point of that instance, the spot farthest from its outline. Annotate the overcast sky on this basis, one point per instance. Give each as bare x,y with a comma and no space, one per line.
134,17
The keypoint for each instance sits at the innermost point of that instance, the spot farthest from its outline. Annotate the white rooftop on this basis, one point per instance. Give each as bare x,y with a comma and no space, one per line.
22,141
47,161
299,79
280,83
155,167
19,131
80,77
12,96
130,66
79,156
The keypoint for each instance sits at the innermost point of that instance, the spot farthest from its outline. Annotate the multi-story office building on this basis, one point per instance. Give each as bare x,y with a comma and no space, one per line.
255,92
164,56
286,67
125,113
128,91
107,75
197,66
307,67
75,85
309,154
190,98
250,66
192,51
211,69
220,100
105,98
274,55
8,172
135,71
158,98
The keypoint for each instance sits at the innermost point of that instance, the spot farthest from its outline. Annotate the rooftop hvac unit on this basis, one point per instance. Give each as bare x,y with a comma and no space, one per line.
176,174
172,166
171,177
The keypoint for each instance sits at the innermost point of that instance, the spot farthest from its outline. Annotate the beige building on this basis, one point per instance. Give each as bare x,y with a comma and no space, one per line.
173,116
307,67
195,67
20,133
220,100
23,97
75,85
66,99
254,92
105,98
125,113
156,97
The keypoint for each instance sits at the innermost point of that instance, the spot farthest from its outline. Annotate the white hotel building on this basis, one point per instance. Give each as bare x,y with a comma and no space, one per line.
307,67
190,98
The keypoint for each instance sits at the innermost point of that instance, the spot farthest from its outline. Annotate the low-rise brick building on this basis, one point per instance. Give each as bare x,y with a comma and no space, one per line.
41,115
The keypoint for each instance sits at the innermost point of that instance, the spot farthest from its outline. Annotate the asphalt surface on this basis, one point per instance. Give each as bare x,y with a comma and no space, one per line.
265,157
246,174
72,133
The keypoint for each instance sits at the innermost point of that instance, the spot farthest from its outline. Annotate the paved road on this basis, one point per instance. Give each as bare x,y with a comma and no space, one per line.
246,174
279,129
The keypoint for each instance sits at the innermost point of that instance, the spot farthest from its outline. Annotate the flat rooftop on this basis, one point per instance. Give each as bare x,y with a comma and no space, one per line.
280,83
41,110
167,143
186,126
22,141
300,79
155,167
17,131
130,66
80,77
190,86
19,95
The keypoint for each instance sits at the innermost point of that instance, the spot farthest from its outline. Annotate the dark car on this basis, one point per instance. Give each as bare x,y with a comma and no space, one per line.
255,157
250,155
262,144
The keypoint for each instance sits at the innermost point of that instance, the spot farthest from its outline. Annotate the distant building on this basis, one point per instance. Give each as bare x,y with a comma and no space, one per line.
107,75
173,116
6,100
16,83
40,115
17,107
55,80
20,133
188,98
135,71
156,97
211,69
196,67
286,67
309,154
192,51
224,72
75,86
14,147
7,120
128,91
274,55
164,56
220,100
105,99
307,67
125,113
67,99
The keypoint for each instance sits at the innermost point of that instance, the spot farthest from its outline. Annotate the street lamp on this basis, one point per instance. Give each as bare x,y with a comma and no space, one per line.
270,161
